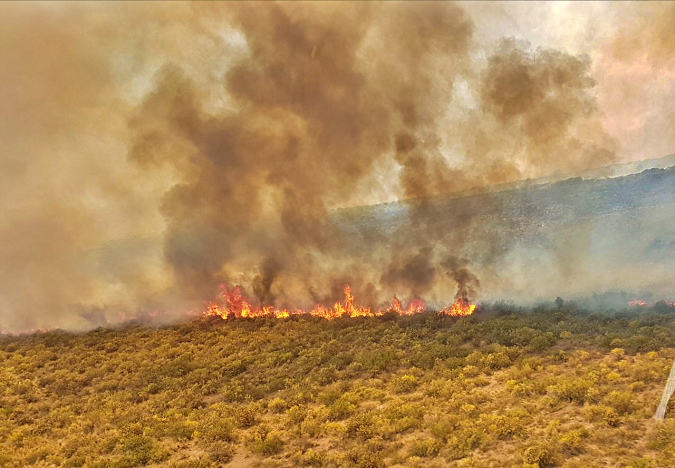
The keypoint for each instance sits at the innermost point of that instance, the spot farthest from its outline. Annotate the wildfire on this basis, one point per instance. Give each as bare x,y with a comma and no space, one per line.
640,303
637,303
235,304
460,308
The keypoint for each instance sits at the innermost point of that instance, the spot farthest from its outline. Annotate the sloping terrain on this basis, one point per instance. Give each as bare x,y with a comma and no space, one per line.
584,236
507,387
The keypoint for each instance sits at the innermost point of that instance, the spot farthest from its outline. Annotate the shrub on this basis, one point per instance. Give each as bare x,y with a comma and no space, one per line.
363,458
180,430
498,360
663,438
622,402
464,441
571,440
221,452
245,416
405,383
141,450
262,442
541,455
215,429
296,414
361,426
201,462
313,458
443,429
340,409
574,390
425,448
278,405
503,426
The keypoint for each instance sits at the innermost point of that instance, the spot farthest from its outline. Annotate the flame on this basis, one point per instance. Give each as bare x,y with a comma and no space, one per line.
637,303
640,303
235,304
461,308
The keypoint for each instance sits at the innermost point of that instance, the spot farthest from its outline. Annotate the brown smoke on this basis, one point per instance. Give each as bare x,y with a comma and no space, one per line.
210,142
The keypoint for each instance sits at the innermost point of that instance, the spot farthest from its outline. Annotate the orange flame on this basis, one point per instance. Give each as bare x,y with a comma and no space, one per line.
640,303
461,308
235,304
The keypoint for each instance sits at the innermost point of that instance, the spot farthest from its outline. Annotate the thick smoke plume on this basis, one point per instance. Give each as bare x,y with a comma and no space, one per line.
216,140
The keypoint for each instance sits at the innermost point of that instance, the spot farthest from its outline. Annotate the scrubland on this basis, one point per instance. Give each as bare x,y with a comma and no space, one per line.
506,387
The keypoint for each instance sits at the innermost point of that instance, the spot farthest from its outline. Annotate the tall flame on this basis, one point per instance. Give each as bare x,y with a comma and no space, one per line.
235,304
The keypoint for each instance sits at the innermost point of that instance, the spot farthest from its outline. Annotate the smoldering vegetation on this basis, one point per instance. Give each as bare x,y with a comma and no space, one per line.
244,127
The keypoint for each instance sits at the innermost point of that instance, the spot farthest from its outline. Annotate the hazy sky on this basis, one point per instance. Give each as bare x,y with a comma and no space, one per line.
106,107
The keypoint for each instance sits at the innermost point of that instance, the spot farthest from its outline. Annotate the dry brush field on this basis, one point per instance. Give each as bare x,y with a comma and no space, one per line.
504,388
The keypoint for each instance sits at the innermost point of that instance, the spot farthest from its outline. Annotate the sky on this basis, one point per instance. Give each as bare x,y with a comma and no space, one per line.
115,119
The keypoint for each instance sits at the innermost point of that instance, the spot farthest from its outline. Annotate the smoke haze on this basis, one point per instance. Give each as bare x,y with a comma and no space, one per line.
153,150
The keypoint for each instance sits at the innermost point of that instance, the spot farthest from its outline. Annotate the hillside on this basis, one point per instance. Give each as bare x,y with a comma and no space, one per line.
506,387
584,236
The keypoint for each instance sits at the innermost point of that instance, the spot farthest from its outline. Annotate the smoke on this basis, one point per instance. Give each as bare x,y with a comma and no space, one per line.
262,283
209,143
467,282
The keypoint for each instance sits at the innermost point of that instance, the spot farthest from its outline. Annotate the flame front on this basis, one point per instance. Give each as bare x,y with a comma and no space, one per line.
236,304
461,308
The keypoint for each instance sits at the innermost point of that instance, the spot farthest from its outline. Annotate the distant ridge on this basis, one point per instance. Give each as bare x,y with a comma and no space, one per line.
616,170
603,172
